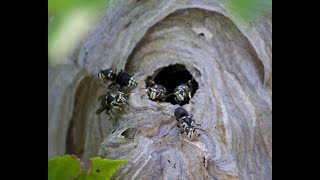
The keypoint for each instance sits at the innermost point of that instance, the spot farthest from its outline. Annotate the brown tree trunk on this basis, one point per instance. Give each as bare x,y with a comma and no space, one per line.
231,61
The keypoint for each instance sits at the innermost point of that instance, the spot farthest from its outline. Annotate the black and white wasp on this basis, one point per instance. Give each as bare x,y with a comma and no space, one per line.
122,78
185,122
111,100
155,91
183,92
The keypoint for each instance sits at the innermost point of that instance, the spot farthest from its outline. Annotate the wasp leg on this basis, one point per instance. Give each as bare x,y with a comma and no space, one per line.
191,100
108,113
177,100
193,121
116,107
181,132
191,116
115,85
181,138
100,110
145,92
115,71
112,84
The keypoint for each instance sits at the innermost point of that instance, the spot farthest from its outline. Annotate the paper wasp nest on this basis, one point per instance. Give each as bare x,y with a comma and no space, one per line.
230,60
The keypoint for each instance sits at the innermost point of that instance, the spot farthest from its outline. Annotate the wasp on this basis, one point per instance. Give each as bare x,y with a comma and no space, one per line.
186,123
155,91
183,92
111,100
122,78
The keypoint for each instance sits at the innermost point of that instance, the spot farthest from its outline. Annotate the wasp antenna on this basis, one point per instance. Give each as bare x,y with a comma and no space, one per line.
200,129
144,94
169,95
160,111
169,130
128,93
127,104
191,84
167,114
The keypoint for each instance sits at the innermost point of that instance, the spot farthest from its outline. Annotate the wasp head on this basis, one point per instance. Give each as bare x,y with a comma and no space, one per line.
187,126
157,91
120,98
107,74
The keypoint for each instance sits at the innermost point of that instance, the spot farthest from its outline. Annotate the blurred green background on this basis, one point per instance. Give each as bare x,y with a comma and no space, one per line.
68,23
70,20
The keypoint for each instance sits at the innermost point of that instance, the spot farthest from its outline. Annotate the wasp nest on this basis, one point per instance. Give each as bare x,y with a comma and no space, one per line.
231,63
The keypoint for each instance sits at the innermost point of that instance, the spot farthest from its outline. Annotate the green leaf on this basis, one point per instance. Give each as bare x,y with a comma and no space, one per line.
102,169
105,167
68,168
62,168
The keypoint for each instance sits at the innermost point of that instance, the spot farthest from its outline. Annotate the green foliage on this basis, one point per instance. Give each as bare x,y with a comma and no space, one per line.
102,169
62,168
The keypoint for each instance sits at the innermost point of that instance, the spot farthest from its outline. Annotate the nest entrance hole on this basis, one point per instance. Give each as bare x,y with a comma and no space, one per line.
172,76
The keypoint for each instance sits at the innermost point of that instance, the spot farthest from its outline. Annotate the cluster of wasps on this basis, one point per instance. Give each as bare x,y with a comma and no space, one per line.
156,92
182,93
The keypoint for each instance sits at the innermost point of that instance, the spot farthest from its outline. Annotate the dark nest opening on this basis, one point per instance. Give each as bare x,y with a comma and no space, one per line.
172,76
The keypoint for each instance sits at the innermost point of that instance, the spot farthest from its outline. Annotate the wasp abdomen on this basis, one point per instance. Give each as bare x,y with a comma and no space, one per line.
124,79
180,112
